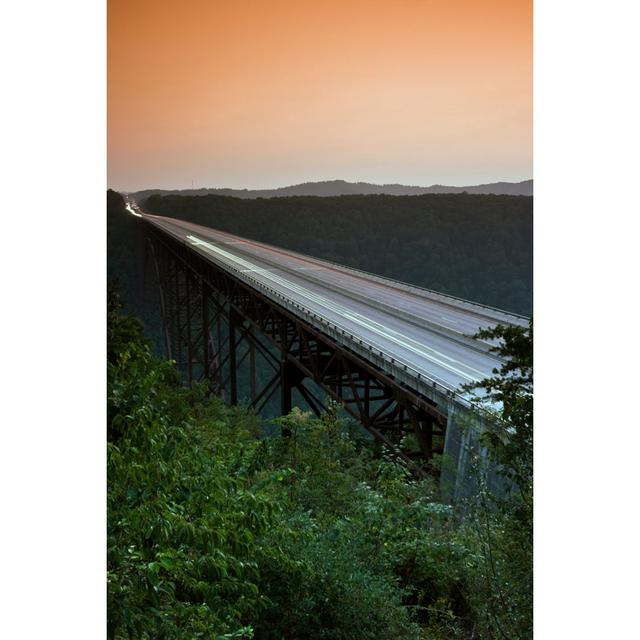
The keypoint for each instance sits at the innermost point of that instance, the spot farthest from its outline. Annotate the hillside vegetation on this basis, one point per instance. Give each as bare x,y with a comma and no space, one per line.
214,533
477,247
131,267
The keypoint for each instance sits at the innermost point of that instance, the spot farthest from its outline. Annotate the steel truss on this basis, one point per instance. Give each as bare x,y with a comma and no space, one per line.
215,323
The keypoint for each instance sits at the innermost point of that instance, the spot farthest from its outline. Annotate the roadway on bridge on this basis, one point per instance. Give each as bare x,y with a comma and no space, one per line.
426,331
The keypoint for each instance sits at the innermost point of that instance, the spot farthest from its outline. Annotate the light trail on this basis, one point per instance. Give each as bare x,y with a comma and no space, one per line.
393,336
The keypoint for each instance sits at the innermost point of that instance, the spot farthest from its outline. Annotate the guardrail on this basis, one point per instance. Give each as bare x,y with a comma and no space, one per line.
400,369
451,334
437,295
416,290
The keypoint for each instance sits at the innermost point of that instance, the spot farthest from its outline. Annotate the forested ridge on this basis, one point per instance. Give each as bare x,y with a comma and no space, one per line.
477,247
216,533
129,265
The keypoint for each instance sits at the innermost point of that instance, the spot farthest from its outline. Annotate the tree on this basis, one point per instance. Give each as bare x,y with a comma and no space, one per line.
504,523
182,525
510,439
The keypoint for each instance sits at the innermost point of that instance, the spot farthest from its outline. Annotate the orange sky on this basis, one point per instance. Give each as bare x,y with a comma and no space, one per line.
264,93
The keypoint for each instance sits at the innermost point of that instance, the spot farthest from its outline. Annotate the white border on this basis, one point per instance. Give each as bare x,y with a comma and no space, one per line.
52,452
586,264
53,272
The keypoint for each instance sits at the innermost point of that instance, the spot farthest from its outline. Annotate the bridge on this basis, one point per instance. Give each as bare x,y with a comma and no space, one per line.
393,355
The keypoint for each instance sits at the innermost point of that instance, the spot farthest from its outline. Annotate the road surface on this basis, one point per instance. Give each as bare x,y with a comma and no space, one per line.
426,333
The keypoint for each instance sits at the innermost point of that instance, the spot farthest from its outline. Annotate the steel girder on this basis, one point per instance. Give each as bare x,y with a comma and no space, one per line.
214,322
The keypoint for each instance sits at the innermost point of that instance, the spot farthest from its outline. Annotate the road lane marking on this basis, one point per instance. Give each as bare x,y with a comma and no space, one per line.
400,339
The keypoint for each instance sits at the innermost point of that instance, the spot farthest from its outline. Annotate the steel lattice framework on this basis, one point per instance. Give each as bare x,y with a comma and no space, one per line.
216,325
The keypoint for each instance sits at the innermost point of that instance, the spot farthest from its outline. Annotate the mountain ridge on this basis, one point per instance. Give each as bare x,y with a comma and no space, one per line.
328,188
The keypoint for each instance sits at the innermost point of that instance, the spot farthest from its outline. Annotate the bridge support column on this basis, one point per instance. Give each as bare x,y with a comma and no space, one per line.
298,354
233,360
187,285
161,280
204,299
175,313
290,378
423,428
252,371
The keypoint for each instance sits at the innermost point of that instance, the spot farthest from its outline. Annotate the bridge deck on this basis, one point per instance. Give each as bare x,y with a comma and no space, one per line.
425,331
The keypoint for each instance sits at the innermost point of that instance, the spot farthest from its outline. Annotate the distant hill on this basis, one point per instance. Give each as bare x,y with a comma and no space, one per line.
342,188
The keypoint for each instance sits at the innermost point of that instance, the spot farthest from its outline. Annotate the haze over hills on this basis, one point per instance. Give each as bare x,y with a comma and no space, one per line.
329,188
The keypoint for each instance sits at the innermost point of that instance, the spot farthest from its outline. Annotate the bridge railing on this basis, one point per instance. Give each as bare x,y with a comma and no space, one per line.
451,334
426,384
424,292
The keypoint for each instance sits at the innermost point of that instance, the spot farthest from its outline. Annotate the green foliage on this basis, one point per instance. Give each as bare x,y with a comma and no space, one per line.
376,556
183,525
502,524
215,533
511,441
122,331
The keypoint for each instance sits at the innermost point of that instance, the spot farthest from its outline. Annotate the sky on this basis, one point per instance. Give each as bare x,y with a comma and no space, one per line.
268,93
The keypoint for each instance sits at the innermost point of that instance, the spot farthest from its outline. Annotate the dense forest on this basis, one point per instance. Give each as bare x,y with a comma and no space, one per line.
129,265
477,247
216,533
